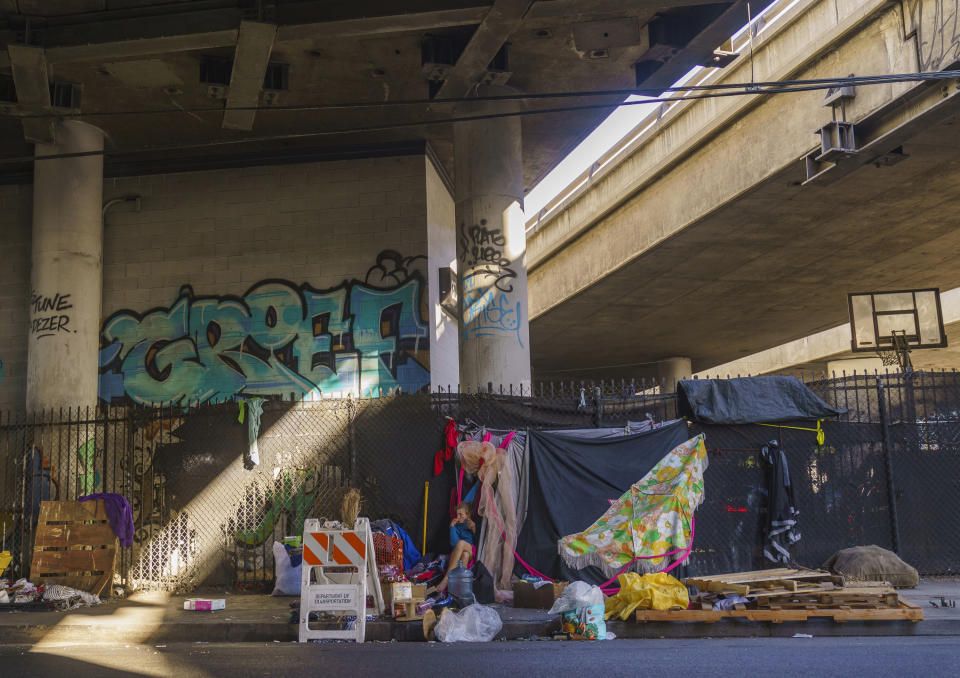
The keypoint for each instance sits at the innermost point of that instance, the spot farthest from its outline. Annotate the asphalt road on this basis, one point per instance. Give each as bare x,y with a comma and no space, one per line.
774,657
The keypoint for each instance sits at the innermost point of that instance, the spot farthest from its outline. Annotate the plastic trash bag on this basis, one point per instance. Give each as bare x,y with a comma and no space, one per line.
576,595
657,591
473,624
288,576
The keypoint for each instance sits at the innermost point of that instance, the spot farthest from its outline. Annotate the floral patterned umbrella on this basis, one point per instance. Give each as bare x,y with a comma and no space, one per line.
652,518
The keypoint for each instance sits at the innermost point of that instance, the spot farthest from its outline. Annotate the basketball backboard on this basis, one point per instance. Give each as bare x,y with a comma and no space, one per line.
914,316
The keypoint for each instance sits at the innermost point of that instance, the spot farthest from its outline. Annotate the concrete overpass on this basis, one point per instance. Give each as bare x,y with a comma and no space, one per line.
710,235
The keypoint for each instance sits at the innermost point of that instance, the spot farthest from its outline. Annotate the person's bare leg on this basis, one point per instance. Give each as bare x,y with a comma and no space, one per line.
462,551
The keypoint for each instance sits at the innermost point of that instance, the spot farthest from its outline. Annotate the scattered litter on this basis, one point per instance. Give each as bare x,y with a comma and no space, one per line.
611,636
729,601
802,635
68,598
159,645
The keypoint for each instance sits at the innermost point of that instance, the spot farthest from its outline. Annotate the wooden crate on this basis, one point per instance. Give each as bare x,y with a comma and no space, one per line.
74,546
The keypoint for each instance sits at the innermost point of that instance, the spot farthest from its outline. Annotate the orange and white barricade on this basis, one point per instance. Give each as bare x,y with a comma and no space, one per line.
349,553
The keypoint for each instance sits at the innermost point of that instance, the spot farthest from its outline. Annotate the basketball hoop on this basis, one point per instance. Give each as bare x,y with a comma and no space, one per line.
892,324
899,354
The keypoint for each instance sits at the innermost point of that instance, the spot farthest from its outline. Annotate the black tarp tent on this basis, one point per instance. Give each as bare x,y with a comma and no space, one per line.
571,482
750,400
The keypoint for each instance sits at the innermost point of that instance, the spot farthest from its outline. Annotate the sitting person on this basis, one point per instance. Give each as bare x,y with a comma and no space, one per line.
462,540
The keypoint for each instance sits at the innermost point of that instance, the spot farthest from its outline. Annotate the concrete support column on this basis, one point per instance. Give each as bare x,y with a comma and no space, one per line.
67,273
672,370
491,249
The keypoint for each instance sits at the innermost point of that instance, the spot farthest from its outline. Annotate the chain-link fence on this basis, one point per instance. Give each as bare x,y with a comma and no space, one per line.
887,474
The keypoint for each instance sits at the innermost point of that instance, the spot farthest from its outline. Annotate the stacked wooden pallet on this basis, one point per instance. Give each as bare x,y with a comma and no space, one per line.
786,594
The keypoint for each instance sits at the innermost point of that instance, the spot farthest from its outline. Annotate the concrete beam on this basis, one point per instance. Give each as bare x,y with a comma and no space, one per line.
384,25
497,26
584,10
121,46
29,66
122,49
250,60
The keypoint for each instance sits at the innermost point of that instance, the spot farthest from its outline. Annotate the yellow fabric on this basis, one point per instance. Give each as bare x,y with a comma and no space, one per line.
5,559
657,591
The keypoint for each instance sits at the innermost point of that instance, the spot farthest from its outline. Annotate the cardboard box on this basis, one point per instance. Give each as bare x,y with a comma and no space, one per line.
542,598
405,591
404,597
401,592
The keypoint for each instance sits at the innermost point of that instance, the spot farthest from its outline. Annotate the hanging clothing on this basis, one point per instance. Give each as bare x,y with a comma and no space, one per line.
494,473
119,514
450,437
782,514
255,410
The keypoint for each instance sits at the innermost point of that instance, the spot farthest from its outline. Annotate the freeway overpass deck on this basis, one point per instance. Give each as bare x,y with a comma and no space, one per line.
708,236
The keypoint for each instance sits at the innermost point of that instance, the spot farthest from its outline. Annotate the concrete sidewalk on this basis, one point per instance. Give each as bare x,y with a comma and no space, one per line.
157,618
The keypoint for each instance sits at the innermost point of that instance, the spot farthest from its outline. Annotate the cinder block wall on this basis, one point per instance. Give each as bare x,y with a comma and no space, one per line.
16,209
355,228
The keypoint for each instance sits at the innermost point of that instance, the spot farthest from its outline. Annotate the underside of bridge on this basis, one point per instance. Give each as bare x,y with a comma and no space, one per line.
769,267
188,61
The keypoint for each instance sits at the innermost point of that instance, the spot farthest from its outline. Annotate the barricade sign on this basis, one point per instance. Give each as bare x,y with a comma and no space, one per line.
341,591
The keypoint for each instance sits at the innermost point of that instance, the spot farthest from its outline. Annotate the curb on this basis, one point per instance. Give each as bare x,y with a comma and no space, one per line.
385,631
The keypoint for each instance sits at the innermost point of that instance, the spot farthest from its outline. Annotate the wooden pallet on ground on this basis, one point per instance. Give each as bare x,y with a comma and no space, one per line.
767,582
905,611
872,597
74,546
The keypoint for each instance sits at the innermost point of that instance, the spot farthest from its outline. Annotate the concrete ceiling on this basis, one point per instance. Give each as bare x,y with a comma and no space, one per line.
768,268
144,55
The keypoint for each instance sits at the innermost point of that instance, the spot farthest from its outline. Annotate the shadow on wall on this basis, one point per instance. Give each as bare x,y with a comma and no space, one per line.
364,338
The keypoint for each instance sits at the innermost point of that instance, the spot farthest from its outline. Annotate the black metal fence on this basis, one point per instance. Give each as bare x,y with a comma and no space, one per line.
887,474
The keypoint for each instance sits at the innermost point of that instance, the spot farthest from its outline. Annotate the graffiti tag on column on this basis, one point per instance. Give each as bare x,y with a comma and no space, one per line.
487,281
937,23
49,324
277,339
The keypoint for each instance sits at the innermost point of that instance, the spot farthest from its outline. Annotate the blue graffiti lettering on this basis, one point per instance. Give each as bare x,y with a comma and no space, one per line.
496,317
278,339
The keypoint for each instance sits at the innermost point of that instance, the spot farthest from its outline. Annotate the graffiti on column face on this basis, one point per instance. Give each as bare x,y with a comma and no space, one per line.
49,315
277,339
937,25
487,281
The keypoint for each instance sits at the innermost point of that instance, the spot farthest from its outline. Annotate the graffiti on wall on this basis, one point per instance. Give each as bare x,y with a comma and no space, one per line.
487,282
936,25
366,337
50,315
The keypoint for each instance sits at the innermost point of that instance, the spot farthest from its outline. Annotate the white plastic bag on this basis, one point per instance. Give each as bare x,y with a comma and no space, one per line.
473,624
576,595
288,576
